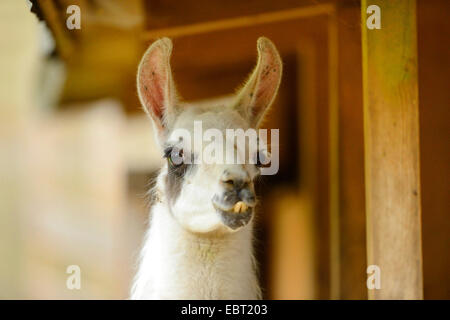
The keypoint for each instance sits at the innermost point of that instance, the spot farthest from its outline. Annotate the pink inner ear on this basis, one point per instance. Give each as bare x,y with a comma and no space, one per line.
260,91
153,82
267,81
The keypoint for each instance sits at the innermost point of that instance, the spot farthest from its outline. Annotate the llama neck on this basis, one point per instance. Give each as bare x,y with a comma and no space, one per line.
177,264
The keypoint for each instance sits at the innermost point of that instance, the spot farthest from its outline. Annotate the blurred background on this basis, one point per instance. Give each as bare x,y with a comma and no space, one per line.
77,153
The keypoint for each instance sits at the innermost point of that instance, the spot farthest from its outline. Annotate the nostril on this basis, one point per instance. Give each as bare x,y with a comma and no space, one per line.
229,182
247,195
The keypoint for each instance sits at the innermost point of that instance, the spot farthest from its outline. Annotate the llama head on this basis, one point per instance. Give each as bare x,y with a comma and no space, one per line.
206,196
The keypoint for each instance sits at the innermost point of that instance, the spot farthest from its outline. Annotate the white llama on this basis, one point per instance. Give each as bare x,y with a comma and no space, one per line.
199,244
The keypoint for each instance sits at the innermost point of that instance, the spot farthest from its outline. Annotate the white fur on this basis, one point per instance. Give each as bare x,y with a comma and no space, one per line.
189,253
177,264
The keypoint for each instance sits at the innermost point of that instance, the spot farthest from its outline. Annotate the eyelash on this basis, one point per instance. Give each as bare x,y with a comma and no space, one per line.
260,155
167,152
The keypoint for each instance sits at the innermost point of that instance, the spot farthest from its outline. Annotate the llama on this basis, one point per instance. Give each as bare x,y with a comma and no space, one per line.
199,243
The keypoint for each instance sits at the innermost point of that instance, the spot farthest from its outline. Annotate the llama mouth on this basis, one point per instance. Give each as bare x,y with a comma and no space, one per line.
235,218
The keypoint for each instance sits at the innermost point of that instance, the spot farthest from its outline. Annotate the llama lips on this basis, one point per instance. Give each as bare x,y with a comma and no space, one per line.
235,216
238,207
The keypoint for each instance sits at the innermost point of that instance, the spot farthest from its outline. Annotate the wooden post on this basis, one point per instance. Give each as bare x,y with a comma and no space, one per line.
391,135
348,246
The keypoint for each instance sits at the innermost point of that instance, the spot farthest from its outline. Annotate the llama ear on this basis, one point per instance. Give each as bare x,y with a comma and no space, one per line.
155,86
262,86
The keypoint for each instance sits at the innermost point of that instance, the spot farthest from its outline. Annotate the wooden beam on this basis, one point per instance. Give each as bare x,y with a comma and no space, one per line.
391,135
333,123
308,178
347,207
239,22
64,43
433,31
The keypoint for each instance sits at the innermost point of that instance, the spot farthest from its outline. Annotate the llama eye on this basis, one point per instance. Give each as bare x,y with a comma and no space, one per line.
261,159
175,157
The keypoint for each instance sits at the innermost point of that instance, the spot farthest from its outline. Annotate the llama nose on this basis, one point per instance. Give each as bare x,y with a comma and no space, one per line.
236,181
238,187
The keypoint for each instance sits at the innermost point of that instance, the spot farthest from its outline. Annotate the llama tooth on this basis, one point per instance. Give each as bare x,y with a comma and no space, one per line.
240,207
237,207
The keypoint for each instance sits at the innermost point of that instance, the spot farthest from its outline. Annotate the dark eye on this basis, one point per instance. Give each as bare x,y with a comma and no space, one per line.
174,157
262,159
